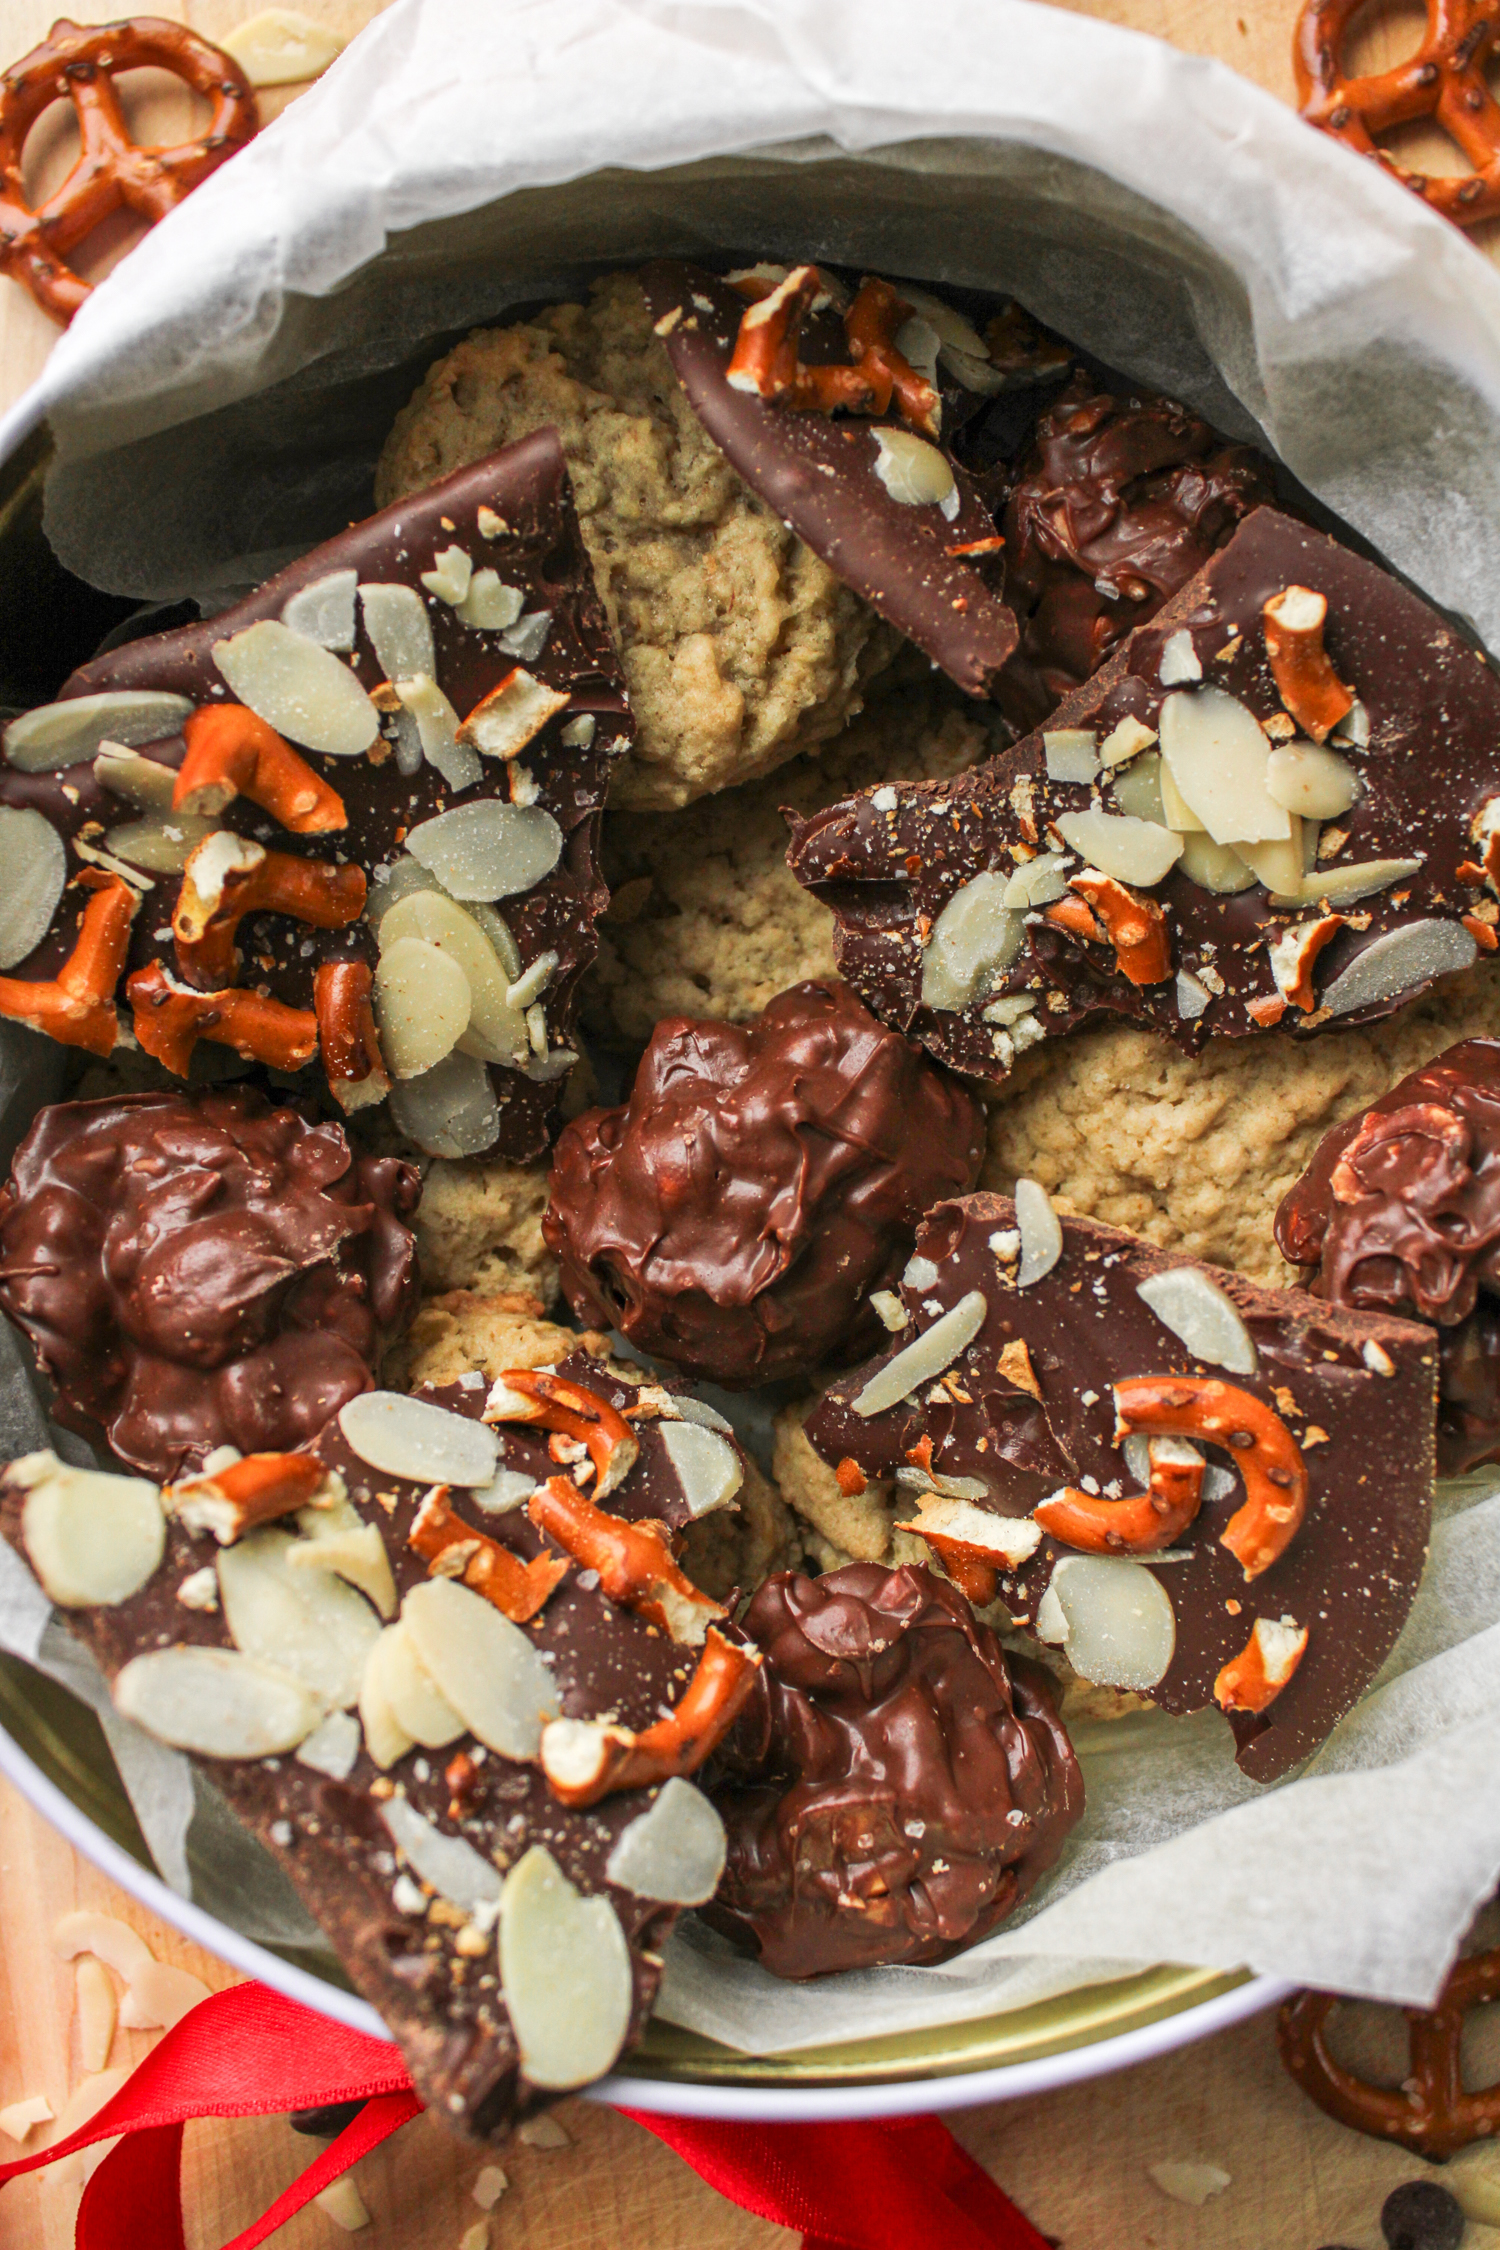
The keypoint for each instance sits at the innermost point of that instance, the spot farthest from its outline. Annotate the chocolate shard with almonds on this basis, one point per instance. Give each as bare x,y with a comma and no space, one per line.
802,402
1276,804
1399,1212
423,1667
897,1782
356,815
1201,1490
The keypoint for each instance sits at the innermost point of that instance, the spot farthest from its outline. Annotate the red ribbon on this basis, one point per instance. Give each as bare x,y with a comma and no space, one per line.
889,2185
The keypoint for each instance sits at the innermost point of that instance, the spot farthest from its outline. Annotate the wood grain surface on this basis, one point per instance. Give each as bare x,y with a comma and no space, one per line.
1078,2160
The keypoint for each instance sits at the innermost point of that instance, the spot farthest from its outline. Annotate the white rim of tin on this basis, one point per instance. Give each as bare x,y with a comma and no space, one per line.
667,2098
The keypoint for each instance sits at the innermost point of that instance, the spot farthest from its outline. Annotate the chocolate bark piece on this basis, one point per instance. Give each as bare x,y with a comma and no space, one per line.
1399,1212
890,862
917,564
203,1270
897,1783
1028,1407
427,1965
1117,503
735,1214
513,514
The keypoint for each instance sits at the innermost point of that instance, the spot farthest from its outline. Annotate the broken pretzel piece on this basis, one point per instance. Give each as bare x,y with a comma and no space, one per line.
169,1020
255,1490
635,1563
1141,1523
1252,1680
585,1760
871,324
1266,1455
77,1006
1293,955
355,1067
452,1548
575,1415
1135,925
232,753
228,877
765,358
1305,679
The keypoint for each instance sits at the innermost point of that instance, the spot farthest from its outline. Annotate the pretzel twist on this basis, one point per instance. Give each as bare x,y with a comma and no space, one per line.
1444,80
76,63
1431,2111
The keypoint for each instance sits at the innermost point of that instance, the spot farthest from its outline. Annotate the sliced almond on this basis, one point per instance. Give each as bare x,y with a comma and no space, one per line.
450,1110
356,1553
143,782
675,1852
1215,867
63,734
436,723
448,579
18,2119
488,850
384,1736
33,871
333,1748
160,846
409,1691
974,941
489,606
1126,740
528,636
452,1866
400,631
1011,1540
410,1437
1217,755
1072,754
564,1972
342,2202
913,472
1192,997
159,1997
1190,2182
496,1029
1132,851
1279,864
1340,886
488,1669
1036,882
1113,1617
1310,780
1398,961
1176,812
306,1622
216,1702
300,689
422,1005
936,1348
90,1538
94,2011
708,1468
114,1942
282,47
1200,1315
324,611
510,716
1041,1232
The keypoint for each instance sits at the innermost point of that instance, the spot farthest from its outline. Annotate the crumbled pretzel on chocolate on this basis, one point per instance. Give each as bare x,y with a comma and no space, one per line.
355,1067
1305,679
255,1490
77,63
1444,78
575,1416
1135,926
634,1560
169,1019
1138,1524
765,358
1252,1680
584,1761
1293,955
228,877
1431,2112
452,1548
232,753
77,1006
1264,1451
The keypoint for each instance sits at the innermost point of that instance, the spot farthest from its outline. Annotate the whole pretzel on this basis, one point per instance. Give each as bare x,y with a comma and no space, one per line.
1444,79
1430,2111
76,62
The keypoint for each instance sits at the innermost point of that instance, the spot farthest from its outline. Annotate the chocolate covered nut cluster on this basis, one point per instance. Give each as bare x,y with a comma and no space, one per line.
895,1784
443,1661
350,821
761,1185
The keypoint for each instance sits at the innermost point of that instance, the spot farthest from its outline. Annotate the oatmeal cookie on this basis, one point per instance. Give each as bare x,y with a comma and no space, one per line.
479,1228
738,1547
455,1333
1195,1152
706,917
738,645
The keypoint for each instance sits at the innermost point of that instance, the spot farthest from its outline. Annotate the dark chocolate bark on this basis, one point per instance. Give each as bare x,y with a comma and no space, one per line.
889,861
1399,1212
817,471
441,2001
539,550
763,1178
896,1784
1356,1391
198,1271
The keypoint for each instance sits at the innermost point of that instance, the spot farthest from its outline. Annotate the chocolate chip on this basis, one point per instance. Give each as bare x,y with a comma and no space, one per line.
1422,2216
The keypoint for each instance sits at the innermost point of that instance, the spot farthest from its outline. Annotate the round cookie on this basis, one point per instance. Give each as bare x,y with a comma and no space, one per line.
1196,1152
706,918
479,1227
738,646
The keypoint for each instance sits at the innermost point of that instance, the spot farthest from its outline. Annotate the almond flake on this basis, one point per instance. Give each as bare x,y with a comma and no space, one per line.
452,1867
33,872
1202,1318
974,941
1040,1230
282,47
436,722
1132,851
300,689
1179,660
399,630
216,1702
1072,754
488,850
675,1852
449,577
324,611
1399,961
489,606
89,1537
488,1669
305,1622
422,1005
410,1437
450,1110
1114,1618
708,1468
913,472
936,1348
565,1973
55,735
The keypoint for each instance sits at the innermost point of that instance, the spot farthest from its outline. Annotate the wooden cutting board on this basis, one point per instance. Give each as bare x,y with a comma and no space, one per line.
1077,2160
